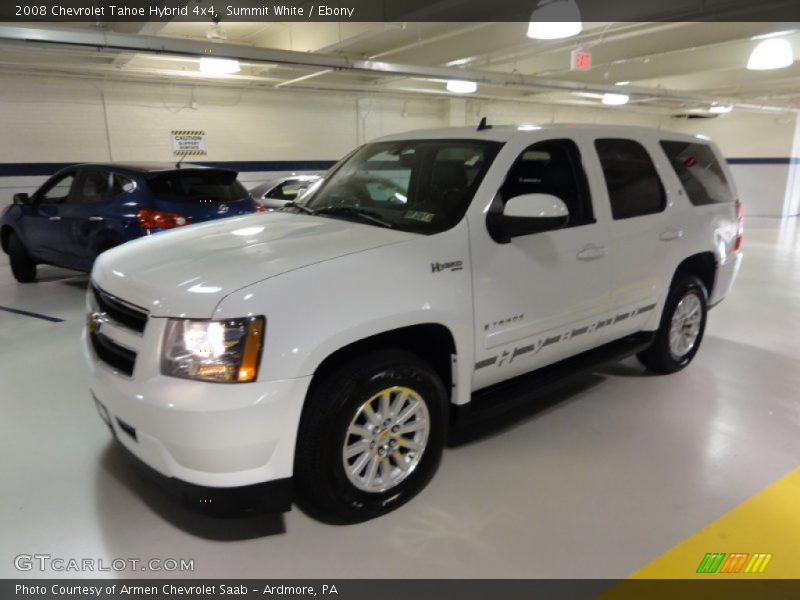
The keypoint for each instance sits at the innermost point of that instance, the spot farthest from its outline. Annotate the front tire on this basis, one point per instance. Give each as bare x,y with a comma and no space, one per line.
683,324
371,436
22,266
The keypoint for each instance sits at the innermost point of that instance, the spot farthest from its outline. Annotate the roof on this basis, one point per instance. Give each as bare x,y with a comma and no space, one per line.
136,167
504,133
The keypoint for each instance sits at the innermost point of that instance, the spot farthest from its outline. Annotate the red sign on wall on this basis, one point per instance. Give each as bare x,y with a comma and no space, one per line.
581,60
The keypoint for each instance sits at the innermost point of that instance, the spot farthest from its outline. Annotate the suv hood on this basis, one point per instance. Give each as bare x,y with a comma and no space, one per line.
187,272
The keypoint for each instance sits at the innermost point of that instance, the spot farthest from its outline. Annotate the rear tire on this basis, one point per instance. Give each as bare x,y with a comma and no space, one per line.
371,436
683,323
22,266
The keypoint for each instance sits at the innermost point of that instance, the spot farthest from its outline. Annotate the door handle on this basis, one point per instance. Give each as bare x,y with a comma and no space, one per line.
670,235
592,252
95,218
56,218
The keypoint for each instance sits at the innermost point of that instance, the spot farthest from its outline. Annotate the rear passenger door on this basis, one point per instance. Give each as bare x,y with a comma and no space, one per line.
637,232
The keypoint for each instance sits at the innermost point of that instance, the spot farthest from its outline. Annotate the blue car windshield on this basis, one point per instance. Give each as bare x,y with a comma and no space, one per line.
423,186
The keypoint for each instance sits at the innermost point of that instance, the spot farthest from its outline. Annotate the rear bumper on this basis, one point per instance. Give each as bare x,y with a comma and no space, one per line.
726,274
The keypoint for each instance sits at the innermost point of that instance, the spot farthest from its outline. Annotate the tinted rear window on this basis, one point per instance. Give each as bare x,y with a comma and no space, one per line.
198,186
699,171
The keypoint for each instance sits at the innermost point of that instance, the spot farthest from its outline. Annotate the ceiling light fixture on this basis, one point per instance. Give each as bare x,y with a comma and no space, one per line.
771,54
458,86
720,109
615,99
623,83
554,20
219,66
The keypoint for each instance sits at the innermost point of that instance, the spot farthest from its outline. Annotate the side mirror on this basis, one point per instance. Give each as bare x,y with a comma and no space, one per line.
526,214
22,198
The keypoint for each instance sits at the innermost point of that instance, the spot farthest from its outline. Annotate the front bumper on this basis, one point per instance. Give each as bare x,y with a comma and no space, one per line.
202,434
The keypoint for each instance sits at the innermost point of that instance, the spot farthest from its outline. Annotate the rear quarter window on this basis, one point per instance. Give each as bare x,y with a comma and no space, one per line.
699,171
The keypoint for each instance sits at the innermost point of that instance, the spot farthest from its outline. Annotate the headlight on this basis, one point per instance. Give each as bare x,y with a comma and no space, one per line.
224,351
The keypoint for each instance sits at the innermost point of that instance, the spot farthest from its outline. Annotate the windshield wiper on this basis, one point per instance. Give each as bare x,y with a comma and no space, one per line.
302,207
364,215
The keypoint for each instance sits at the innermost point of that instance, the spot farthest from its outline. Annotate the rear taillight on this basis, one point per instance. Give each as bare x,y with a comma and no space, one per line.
739,225
160,219
260,207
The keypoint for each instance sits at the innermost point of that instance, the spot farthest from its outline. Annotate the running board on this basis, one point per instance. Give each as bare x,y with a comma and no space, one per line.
508,395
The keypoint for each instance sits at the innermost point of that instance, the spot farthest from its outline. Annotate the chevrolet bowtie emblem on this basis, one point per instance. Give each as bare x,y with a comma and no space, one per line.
94,321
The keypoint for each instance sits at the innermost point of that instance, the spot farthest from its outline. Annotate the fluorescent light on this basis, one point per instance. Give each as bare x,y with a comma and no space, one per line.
555,19
460,62
623,83
771,54
615,99
458,86
553,30
219,66
526,127
720,109
766,36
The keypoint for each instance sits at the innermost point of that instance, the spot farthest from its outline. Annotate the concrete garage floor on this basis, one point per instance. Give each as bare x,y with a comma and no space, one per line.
596,483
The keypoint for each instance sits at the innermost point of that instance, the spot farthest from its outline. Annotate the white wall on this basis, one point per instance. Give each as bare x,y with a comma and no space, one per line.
50,119
59,119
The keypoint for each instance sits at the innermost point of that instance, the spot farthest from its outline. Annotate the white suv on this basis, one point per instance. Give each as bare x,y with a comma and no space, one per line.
428,279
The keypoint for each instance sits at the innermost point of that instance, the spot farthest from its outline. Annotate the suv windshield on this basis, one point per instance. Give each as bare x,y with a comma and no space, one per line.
419,186
198,185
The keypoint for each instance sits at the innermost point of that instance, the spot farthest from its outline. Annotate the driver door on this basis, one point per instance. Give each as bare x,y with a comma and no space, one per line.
545,296
44,228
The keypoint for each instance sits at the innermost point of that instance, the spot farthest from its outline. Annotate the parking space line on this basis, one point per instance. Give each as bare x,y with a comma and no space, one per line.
761,533
27,313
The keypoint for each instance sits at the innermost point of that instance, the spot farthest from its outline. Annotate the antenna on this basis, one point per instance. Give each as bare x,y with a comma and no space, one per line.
482,125
178,164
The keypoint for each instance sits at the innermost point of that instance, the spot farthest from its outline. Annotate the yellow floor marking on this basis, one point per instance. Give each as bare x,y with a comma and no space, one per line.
767,523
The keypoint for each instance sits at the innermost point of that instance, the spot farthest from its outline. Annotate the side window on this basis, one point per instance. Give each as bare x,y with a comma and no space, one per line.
552,167
634,187
699,171
57,191
95,186
288,190
122,185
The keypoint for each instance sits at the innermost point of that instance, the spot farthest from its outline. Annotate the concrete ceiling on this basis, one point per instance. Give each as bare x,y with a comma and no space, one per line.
674,66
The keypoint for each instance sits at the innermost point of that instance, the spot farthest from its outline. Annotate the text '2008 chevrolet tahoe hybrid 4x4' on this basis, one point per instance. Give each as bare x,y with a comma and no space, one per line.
427,279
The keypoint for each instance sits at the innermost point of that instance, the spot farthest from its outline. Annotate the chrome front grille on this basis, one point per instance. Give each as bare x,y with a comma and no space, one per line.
118,357
127,315
115,328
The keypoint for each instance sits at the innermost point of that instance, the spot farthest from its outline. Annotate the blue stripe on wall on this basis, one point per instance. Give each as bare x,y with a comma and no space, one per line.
34,169
39,169
778,160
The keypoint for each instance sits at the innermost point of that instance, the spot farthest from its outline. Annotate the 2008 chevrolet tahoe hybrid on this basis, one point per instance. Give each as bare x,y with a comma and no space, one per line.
328,347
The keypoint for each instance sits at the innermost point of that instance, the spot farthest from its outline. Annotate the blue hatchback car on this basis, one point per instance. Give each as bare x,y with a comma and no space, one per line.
84,210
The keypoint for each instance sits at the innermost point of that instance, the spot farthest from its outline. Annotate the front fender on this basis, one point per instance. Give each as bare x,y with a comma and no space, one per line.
314,311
